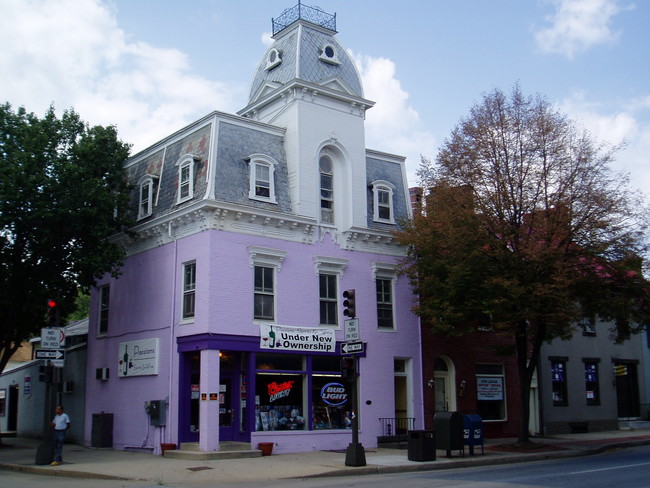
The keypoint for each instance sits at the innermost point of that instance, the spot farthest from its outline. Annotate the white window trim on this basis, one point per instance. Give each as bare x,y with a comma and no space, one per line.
385,186
260,159
186,160
269,258
329,265
334,59
188,320
386,271
146,180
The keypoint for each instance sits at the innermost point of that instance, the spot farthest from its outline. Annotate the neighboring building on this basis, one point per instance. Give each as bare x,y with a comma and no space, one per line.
23,393
590,382
227,320
474,374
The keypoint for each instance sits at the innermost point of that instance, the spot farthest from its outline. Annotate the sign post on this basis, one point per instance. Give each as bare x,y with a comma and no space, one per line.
355,454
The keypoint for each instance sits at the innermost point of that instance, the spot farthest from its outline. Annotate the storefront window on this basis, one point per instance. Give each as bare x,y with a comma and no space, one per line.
279,402
490,391
331,403
282,384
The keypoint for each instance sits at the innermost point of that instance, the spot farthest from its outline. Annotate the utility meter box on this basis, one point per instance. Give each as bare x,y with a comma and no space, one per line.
157,410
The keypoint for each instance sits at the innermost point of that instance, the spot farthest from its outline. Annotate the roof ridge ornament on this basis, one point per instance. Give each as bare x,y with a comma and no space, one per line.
314,15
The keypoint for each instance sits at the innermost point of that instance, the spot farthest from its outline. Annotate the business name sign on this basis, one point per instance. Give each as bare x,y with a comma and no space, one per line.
283,338
138,358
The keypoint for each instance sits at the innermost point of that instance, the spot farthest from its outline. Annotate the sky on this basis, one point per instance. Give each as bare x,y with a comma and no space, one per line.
150,67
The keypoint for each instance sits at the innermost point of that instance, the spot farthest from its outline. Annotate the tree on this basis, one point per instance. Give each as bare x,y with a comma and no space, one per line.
524,223
63,192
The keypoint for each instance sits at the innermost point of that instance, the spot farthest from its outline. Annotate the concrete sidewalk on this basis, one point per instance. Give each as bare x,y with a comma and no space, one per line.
82,462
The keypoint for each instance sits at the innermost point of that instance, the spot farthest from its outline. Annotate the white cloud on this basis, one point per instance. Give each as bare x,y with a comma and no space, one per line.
577,25
626,124
392,125
73,54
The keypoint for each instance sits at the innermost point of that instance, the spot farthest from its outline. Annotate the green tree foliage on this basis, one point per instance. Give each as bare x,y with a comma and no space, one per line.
523,223
62,194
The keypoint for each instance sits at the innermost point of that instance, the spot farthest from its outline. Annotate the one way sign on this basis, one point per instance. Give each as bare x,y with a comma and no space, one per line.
50,354
357,347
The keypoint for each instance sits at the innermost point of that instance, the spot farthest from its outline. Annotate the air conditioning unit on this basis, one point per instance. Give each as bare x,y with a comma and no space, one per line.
102,374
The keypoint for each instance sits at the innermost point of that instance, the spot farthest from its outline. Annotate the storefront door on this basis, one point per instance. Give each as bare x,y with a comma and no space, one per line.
228,411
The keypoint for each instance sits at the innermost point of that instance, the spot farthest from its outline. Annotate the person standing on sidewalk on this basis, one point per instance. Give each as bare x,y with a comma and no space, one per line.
61,423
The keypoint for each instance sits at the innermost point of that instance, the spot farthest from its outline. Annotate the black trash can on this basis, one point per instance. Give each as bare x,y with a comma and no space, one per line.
449,431
421,445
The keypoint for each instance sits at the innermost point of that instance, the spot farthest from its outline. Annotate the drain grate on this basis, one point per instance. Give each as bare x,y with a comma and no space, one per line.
199,468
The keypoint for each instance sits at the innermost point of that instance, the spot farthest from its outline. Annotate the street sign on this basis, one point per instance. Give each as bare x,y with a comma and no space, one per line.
357,347
52,338
351,327
50,354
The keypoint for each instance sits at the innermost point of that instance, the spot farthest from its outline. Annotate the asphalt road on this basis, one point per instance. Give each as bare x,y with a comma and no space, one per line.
624,468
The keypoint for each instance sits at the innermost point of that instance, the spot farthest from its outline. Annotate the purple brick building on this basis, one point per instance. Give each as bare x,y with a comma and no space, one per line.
227,321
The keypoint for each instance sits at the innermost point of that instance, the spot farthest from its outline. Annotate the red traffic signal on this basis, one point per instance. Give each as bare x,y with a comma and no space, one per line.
52,313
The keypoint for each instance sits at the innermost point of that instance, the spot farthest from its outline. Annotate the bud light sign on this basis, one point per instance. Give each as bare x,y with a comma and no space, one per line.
334,394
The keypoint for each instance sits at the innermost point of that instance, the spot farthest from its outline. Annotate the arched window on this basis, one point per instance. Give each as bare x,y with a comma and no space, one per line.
383,202
146,196
262,178
326,167
186,169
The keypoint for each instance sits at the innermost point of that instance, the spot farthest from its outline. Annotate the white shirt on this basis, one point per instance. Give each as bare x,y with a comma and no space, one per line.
61,421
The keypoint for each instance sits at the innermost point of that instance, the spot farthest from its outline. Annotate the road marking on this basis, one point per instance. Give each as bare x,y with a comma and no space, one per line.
609,469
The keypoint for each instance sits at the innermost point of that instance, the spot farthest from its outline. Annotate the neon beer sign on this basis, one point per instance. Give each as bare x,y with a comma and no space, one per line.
279,390
333,394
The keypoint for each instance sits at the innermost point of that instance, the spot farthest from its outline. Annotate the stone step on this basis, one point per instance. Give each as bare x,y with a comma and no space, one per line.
227,450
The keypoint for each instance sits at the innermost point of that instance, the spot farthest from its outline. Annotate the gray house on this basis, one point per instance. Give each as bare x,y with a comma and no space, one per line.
590,382
22,393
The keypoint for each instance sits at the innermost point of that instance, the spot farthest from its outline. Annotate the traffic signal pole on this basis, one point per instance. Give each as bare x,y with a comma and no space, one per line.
355,454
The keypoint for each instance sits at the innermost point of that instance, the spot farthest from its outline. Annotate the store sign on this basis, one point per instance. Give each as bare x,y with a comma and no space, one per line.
334,394
283,338
138,358
489,388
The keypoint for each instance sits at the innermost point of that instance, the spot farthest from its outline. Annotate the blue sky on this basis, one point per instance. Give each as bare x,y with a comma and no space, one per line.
152,66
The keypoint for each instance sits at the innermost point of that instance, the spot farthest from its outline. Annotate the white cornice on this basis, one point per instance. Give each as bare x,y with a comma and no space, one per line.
212,214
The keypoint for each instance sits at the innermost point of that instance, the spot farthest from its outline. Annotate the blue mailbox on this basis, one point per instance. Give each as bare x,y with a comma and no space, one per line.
473,432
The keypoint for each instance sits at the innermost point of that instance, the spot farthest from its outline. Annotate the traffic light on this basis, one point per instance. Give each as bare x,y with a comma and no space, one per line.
349,303
52,313
45,374
348,368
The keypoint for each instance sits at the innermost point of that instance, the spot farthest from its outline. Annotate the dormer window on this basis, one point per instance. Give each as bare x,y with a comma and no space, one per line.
273,58
383,202
146,185
329,54
262,178
185,178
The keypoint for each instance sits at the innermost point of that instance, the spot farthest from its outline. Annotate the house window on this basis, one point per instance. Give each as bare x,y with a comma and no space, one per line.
384,275
592,387
326,167
146,198
383,202
104,297
385,303
559,382
328,299
185,178
262,180
588,327
264,298
490,392
189,290
265,263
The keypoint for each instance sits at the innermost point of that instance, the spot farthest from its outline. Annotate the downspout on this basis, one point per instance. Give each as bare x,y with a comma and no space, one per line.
172,333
